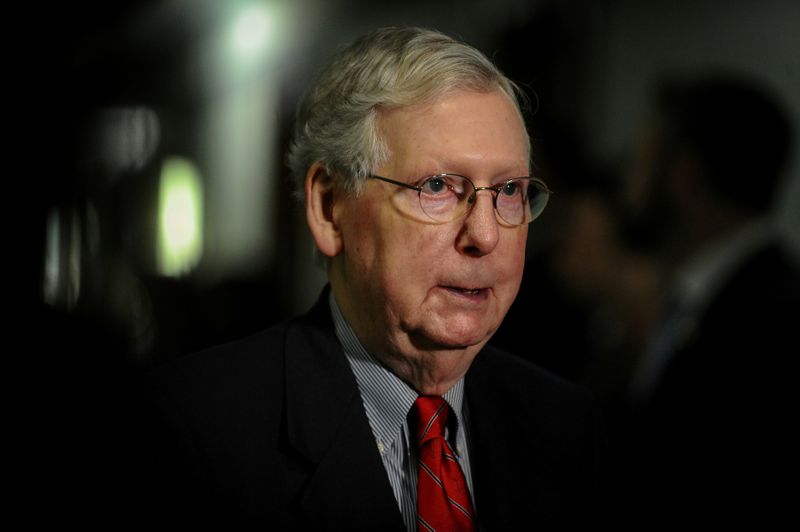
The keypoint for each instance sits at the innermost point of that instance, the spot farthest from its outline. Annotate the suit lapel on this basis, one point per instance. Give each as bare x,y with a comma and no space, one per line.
506,478
326,423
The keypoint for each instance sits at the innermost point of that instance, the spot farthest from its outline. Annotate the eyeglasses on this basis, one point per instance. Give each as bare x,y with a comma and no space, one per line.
445,197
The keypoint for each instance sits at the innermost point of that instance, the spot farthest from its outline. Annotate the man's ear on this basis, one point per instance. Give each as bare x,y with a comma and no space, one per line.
319,210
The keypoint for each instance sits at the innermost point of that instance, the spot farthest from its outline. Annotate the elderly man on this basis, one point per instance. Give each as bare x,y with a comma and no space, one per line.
384,408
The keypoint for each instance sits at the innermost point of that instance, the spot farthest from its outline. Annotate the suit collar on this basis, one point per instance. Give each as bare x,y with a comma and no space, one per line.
320,388
326,423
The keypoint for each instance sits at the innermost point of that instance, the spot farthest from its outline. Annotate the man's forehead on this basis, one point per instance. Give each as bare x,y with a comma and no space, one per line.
454,112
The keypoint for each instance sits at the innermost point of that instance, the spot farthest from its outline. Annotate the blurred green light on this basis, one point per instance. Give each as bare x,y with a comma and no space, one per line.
252,29
180,218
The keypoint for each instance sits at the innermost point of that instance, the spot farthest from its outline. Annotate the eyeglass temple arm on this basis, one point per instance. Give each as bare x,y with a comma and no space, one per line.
398,183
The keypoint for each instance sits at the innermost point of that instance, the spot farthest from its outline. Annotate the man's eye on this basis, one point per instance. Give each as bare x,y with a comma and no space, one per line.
434,185
511,188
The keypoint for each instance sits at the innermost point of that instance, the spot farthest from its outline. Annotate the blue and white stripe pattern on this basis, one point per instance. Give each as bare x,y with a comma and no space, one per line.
387,401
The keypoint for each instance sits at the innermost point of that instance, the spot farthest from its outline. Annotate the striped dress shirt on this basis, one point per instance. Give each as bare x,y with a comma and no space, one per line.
387,401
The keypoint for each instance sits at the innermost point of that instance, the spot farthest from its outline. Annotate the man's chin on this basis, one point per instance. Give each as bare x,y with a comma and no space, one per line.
454,339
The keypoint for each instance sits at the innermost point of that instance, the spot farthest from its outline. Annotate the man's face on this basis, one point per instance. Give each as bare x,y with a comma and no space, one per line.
418,292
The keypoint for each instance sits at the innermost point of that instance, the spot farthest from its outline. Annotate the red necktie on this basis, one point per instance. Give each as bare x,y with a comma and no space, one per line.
443,501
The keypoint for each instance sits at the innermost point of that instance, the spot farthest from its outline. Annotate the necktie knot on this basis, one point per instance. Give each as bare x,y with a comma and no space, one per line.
432,412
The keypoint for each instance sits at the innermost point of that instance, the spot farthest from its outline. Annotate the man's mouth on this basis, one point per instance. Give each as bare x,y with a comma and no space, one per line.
467,291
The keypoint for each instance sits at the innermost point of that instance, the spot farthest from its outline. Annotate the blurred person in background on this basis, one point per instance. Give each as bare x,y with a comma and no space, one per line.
384,408
618,286
711,431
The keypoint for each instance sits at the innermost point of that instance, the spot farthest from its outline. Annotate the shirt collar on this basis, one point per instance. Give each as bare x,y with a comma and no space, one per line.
701,276
387,399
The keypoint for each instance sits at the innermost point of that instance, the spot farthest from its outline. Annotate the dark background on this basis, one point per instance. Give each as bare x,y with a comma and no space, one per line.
119,87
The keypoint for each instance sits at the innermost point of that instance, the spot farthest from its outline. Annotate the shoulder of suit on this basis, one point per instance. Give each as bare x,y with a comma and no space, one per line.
498,368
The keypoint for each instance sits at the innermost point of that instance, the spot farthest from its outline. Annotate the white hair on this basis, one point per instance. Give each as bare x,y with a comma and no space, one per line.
337,121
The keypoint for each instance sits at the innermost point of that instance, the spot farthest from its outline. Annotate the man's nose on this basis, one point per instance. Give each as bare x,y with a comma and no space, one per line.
480,232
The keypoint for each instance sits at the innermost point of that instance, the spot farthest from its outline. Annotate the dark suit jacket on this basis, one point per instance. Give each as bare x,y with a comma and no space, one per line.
713,444
270,433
